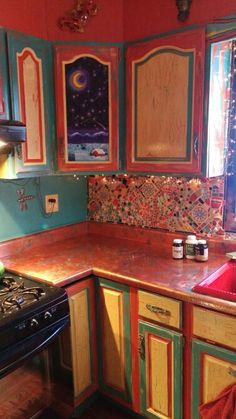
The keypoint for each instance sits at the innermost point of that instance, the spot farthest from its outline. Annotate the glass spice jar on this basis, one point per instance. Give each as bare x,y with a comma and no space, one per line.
201,251
177,249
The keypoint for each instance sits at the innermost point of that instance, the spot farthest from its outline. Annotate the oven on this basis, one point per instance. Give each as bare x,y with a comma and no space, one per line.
34,321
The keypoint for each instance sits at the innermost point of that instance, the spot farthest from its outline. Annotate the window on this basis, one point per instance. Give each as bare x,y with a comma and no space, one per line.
222,122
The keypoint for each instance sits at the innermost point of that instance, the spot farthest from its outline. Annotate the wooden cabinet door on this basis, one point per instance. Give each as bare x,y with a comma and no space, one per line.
115,345
4,81
32,101
87,107
82,339
165,79
213,369
160,353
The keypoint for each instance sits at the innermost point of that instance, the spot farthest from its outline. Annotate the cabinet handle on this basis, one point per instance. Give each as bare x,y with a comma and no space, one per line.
232,372
158,310
141,346
195,145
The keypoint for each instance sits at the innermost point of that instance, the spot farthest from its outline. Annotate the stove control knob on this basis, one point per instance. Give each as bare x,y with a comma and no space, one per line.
47,315
34,324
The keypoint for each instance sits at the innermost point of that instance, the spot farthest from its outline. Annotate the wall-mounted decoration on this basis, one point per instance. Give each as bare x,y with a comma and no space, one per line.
22,199
183,7
170,203
78,17
87,107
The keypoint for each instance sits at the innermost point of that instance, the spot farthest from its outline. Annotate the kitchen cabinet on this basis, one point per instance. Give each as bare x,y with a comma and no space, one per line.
114,339
213,366
87,104
164,83
82,341
160,356
160,371
4,82
31,83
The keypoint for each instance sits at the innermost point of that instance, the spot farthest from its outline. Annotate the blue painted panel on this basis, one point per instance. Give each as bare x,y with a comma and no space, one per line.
72,204
17,42
4,75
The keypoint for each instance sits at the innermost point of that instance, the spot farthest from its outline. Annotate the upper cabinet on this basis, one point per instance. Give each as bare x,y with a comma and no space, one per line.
4,82
32,98
87,104
165,80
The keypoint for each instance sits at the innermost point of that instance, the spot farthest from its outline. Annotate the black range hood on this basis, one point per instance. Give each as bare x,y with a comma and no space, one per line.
11,133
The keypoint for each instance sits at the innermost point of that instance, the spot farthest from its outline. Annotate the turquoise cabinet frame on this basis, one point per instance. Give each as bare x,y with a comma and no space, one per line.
42,51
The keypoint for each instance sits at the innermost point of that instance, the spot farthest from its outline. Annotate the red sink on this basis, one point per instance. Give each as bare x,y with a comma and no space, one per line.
221,284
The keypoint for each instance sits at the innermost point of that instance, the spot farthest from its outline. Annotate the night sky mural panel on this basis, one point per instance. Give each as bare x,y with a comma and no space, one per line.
87,93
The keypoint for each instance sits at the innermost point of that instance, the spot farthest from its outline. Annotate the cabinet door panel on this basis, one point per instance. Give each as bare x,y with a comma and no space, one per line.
87,107
83,339
165,99
115,373
160,371
32,97
214,368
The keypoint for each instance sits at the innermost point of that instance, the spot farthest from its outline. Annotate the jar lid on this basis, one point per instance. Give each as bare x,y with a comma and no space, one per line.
191,237
178,241
201,241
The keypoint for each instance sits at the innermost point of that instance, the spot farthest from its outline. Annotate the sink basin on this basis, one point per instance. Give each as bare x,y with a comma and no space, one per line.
221,284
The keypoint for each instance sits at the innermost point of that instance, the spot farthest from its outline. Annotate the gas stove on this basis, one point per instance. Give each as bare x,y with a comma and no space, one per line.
31,314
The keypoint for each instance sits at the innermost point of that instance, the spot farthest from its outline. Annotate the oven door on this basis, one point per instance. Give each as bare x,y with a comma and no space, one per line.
31,385
27,391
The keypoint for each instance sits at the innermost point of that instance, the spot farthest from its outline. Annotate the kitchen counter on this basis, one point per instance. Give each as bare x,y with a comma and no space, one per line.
132,262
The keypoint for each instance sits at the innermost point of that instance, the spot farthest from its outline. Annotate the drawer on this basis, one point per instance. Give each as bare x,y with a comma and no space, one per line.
217,327
161,309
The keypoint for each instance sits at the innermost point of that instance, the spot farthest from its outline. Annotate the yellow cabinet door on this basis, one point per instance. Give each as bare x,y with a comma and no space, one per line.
78,351
213,369
114,340
160,365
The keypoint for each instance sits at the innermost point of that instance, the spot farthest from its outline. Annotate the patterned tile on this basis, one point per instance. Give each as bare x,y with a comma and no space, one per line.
170,203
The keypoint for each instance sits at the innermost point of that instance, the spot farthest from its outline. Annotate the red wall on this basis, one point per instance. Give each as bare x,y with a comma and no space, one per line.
26,16
39,18
143,18
116,21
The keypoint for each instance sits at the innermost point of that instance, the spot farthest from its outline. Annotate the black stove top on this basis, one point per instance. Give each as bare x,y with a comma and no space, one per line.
28,307
16,294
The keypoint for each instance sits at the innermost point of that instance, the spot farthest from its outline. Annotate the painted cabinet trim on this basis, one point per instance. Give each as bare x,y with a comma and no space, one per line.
174,363
21,48
109,57
200,348
126,394
190,44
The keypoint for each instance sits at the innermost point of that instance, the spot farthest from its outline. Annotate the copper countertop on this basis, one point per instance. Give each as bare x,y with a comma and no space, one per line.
136,264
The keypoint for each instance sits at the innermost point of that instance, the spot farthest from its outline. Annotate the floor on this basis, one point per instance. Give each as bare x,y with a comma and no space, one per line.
100,409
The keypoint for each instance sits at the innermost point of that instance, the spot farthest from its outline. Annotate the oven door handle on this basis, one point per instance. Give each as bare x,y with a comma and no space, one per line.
14,357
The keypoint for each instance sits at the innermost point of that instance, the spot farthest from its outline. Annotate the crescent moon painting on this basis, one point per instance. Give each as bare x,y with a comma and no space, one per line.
79,80
87,110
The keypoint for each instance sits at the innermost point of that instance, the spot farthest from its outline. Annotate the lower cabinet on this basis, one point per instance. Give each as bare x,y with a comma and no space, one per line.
160,353
214,368
114,339
82,339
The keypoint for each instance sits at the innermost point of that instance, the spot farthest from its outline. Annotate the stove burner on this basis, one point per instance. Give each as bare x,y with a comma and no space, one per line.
15,295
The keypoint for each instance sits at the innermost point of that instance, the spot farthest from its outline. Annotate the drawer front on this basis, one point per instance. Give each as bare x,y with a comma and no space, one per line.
161,309
217,327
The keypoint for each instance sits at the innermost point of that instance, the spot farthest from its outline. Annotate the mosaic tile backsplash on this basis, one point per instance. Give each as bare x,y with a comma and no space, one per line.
170,203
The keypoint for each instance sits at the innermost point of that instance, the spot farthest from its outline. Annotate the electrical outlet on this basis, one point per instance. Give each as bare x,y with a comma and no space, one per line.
51,203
